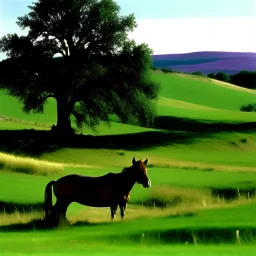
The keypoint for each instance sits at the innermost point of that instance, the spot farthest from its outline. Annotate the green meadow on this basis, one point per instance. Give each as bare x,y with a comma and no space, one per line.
202,166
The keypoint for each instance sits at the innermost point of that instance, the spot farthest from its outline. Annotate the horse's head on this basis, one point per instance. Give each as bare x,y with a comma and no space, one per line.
140,171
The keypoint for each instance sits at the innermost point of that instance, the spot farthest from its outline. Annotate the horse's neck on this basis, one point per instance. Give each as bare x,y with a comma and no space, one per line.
128,180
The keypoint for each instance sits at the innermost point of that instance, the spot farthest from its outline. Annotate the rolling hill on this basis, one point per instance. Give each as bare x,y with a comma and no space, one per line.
181,96
186,167
207,62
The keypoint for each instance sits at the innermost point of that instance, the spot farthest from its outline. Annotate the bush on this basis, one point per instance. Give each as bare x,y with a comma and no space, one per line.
197,73
248,108
211,75
222,77
166,70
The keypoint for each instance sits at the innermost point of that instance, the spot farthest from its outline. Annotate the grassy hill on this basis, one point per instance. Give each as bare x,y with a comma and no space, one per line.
201,162
191,104
181,96
203,91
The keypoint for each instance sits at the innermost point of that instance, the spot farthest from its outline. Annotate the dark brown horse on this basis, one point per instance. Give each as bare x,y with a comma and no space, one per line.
111,190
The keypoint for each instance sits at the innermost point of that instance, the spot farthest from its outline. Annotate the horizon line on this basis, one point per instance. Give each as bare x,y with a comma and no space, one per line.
210,51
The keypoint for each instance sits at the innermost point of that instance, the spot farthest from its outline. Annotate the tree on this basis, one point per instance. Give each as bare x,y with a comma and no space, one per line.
166,70
221,76
98,72
197,73
245,79
248,107
211,75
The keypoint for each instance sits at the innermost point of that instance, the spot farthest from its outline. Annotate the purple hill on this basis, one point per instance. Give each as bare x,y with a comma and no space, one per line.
207,62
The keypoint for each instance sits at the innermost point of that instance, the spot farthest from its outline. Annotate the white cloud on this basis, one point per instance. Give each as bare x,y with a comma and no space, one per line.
181,35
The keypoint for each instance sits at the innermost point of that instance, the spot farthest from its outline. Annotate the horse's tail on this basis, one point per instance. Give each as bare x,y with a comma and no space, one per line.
48,199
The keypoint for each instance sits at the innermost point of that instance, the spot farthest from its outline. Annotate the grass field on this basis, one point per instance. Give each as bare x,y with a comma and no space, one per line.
201,163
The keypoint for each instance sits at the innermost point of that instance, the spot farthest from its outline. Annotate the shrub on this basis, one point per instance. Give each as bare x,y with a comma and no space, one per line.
211,75
197,73
166,70
248,108
222,77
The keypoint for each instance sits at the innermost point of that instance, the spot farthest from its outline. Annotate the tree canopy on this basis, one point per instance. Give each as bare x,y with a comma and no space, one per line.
221,76
78,52
245,79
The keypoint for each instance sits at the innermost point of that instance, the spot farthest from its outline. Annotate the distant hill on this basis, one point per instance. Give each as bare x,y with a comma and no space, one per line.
207,62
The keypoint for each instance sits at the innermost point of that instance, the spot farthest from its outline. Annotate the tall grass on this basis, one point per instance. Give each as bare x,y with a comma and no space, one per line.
165,196
28,165
19,218
163,201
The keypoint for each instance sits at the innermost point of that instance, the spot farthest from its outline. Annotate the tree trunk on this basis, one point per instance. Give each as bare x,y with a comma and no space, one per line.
63,118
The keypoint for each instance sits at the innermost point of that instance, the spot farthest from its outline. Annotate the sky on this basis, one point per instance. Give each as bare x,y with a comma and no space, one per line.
173,26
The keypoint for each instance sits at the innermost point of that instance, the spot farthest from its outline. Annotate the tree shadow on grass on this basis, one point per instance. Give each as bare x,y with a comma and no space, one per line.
218,235
38,224
201,126
42,224
195,235
87,223
11,207
171,130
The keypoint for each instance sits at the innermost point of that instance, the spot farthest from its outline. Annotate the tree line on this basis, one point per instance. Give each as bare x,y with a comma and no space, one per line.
244,78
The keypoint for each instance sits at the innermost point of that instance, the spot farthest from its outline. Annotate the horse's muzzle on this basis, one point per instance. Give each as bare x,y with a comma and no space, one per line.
147,185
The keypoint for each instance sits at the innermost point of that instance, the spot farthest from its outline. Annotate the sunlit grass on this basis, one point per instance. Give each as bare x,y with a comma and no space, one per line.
28,165
178,203
19,217
183,109
202,91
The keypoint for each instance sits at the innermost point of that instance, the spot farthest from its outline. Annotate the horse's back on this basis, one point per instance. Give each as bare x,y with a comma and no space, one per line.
92,191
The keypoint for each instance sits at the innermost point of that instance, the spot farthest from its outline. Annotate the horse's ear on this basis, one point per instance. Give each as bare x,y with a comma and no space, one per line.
146,161
133,161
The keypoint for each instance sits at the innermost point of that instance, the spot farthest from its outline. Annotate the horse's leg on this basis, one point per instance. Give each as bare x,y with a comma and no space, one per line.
122,209
63,206
113,209
62,212
60,209
55,213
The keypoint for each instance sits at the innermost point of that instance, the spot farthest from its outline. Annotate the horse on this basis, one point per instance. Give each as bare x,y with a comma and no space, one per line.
110,190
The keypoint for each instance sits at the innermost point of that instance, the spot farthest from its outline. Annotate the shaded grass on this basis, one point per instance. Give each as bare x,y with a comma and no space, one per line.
204,227
36,143
28,165
23,208
69,246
